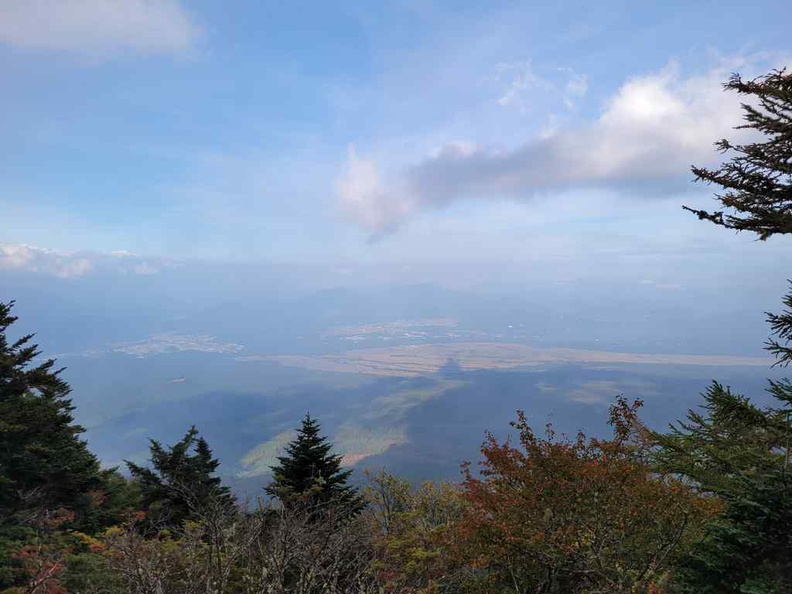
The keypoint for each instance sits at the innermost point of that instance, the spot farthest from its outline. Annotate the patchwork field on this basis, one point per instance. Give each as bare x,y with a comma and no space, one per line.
416,360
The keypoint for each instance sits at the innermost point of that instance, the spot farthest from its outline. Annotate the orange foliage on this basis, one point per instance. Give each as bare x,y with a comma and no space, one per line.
43,565
572,515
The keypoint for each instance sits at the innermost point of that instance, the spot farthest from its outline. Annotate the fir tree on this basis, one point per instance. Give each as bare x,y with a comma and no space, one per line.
43,463
310,474
758,179
781,328
46,471
737,452
181,482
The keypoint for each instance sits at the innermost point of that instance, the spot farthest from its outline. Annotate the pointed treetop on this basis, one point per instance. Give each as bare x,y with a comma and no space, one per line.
44,465
182,479
757,180
309,472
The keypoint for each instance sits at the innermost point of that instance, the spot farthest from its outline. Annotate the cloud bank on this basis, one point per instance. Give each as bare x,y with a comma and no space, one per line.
68,265
97,27
644,140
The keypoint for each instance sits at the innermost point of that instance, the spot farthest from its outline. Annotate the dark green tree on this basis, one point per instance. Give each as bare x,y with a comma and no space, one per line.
46,470
737,452
309,474
43,463
757,181
181,483
781,329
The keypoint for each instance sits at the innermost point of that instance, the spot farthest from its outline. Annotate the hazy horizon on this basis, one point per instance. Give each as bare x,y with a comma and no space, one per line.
234,210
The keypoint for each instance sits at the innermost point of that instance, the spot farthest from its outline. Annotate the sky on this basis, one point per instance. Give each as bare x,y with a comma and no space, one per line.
432,139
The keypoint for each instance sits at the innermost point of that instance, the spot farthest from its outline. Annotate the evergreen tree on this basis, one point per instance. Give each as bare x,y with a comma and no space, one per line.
735,450
758,179
46,471
310,475
43,463
781,328
738,452
182,481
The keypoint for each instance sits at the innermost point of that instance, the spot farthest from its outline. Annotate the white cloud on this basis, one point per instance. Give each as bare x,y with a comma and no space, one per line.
67,264
145,268
520,78
363,197
575,88
127,262
518,84
52,262
97,27
577,85
645,139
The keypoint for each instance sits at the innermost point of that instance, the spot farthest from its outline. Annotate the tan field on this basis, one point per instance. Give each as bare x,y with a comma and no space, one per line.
414,360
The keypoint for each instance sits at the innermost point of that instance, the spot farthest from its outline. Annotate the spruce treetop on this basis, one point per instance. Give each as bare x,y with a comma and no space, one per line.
309,473
757,181
181,481
43,463
17,377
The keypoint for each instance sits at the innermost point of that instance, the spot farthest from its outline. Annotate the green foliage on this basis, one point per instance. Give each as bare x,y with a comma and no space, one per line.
43,463
728,441
758,179
748,548
310,475
412,530
117,499
45,469
87,571
738,453
181,482
12,539
734,450
781,329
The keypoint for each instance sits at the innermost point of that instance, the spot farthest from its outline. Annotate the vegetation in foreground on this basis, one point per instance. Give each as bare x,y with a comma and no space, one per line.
705,507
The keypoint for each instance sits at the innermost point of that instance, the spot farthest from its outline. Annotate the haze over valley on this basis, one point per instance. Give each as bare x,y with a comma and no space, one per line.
406,377
409,220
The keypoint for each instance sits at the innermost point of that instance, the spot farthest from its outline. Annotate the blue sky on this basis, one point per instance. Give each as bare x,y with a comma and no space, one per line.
404,134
